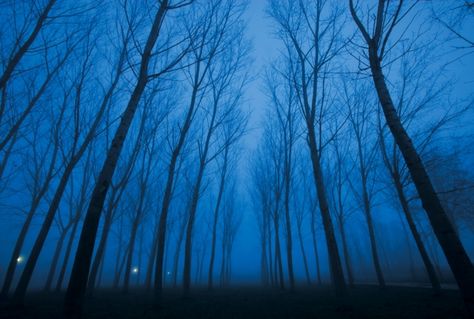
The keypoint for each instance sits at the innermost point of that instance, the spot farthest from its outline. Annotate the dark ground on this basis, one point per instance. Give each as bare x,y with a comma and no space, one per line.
246,302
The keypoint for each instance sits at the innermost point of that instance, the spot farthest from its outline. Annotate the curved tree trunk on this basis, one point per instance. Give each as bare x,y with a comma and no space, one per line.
80,271
453,249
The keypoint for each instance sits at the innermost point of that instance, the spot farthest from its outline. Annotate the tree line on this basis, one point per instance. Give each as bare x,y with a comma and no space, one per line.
122,123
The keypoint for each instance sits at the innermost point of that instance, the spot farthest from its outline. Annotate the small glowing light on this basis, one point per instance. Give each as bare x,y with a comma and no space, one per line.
20,259
168,273
135,270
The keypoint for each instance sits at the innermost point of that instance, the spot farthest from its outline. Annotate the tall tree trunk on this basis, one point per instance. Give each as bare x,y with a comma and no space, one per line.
278,260
128,265
54,263
337,274
216,218
67,253
170,182
289,243
373,240
270,254
451,245
345,249
17,249
25,278
303,253
435,284
176,255
80,271
189,230
151,260
315,247
99,255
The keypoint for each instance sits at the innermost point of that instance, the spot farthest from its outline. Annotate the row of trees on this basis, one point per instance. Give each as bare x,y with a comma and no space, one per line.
358,98
117,120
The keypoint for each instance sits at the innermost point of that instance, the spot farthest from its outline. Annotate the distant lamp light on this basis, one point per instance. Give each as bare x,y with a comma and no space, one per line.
168,273
135,270
20,260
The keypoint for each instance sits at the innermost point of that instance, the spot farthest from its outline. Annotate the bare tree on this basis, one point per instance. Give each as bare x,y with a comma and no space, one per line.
339,194
209,37
311,34
231,223
41,181
81,267
73,155
388,17
361,119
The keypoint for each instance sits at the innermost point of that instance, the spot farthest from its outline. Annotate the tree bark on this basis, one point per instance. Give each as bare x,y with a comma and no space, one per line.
337,274
451,245
80,271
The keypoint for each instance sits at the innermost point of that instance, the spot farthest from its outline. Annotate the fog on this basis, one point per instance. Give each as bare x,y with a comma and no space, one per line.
181,148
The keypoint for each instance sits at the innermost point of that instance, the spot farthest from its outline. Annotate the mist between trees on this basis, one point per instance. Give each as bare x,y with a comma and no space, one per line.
132,156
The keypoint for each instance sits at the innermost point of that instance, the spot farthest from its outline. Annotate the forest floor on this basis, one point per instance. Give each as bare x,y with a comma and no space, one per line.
248,302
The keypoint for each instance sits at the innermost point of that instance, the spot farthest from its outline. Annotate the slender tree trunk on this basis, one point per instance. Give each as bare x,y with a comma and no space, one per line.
303,253
223,261
17,249
54,263
128,266
176,255
170,183
270,254
345,249
451,245
80,271
189,231
8,152
41,238
289,243
151,260
99,255
98,283
67,253
315,247
419,242
337,274
373,240
216,218
278,260
16,58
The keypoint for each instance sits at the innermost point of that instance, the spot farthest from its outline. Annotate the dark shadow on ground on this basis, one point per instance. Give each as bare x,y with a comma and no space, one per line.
248,302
